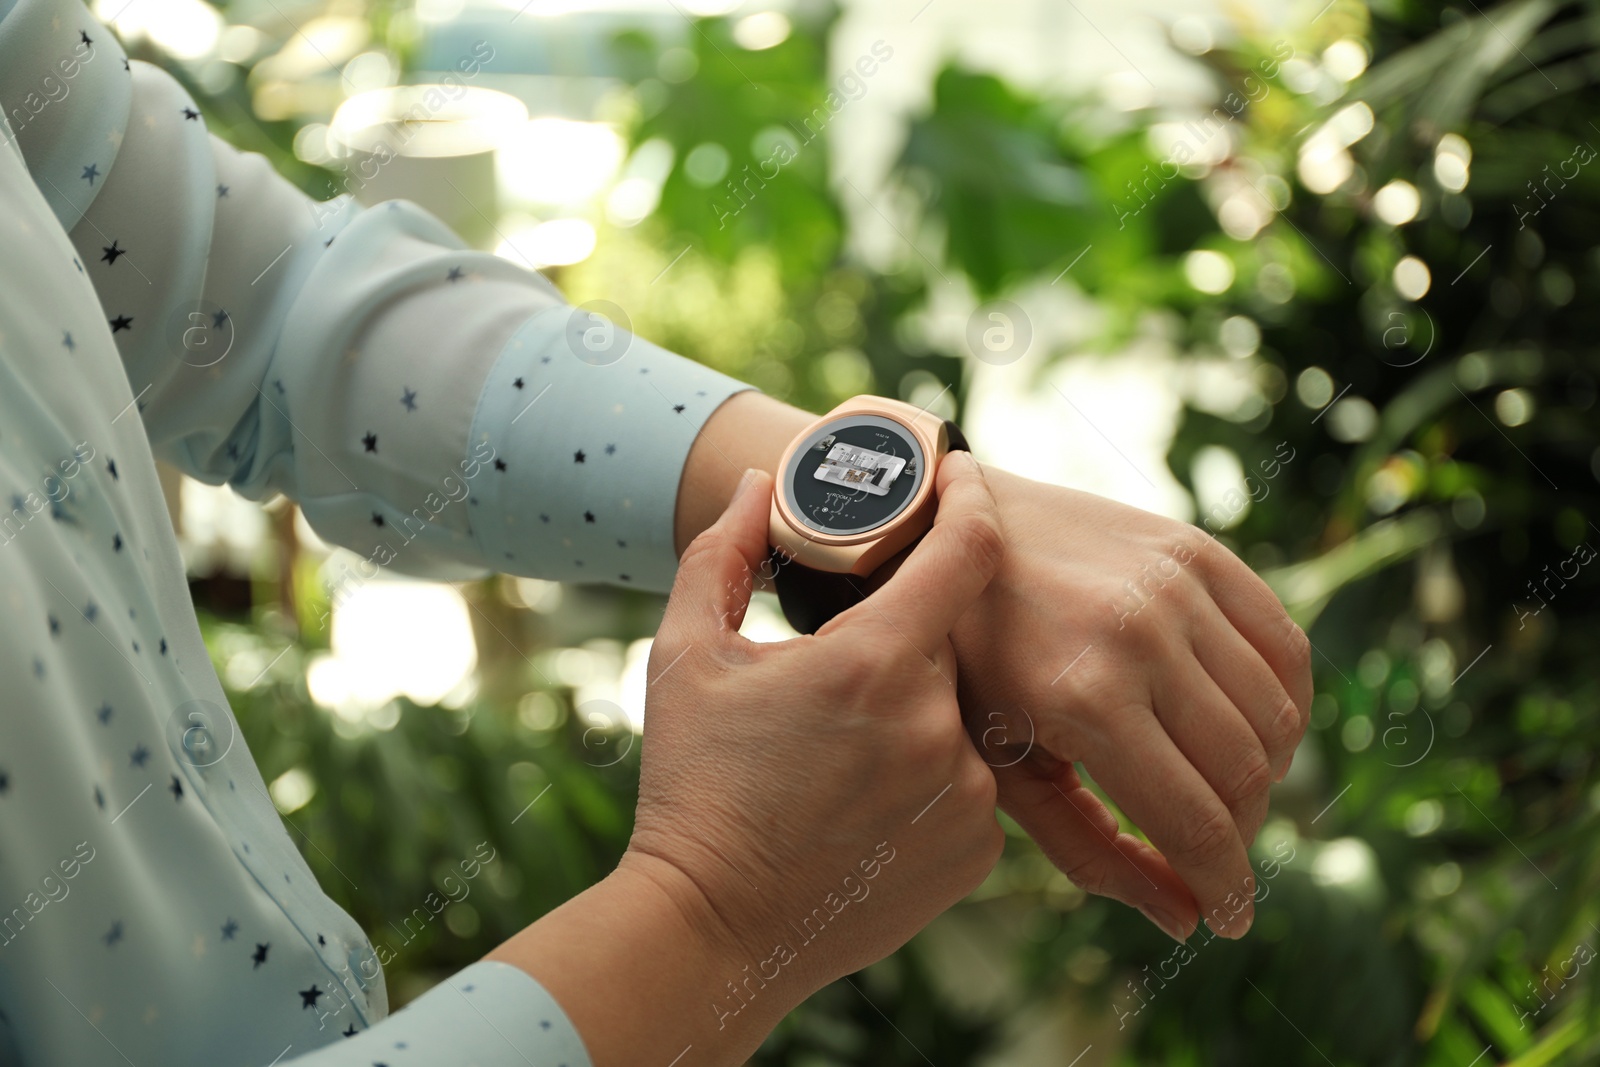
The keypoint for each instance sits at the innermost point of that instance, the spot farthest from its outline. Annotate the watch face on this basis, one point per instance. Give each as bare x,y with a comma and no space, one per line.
854,474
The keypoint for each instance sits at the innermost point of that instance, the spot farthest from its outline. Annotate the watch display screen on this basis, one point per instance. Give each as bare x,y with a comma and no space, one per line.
854,474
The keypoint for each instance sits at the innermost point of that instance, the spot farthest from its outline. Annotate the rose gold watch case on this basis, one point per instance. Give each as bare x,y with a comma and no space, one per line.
861,553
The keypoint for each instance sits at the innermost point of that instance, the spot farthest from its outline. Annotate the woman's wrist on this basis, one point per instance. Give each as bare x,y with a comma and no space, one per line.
749,429
645,968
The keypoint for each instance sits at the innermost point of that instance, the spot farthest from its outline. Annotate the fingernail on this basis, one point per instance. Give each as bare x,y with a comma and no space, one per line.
1168,922
1238,925
745,481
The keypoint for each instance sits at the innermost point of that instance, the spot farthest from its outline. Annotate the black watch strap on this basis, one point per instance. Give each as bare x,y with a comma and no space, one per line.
811,597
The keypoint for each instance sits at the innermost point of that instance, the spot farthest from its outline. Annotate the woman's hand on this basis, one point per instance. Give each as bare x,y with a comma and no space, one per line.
1144,649
804,806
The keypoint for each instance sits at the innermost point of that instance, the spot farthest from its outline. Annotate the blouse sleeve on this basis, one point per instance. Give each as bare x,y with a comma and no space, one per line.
436,409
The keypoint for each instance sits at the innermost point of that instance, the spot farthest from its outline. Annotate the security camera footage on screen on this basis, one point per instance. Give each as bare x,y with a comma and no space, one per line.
860,468
855,478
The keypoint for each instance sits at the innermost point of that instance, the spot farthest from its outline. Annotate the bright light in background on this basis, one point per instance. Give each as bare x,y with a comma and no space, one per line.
1240,336
292,790
439,10
710,8
1514,407
1219,487
393,638
368,71
427,120
239,44
1352,420
1397,202
558,161
1314,387
1193,35
557,243
331,39
634,197
765,29
1208,271
1452,162
1127,90
187,29
1344,861
1203,152
1345,60
218,527
1325,163
1412,278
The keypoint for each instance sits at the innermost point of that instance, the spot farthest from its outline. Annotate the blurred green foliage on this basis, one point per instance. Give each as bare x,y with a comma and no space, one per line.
1440,904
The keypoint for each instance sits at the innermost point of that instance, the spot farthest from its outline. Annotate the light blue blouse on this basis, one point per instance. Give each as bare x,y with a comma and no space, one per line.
436,409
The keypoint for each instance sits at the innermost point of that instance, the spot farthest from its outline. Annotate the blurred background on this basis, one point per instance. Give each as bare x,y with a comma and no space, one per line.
1280,268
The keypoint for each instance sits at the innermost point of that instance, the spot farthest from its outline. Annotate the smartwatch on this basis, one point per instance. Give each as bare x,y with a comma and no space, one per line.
854,489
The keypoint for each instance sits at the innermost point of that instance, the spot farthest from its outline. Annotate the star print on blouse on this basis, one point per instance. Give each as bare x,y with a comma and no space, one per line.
67,341
578,456
114,934
499,464
229,928
112,253
5,781
55,626
611,450
83,35
140,756
454,275
121,322
176,788
99,799
90,173
370,441
308,997
222,191
588,516
191,114
409,398
218,317
517,384
377,520
260,954
104,714
111,465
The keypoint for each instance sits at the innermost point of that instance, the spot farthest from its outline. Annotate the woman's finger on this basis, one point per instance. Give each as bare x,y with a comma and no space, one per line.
1251,685
1215,738
717,572
1078,834
949,567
